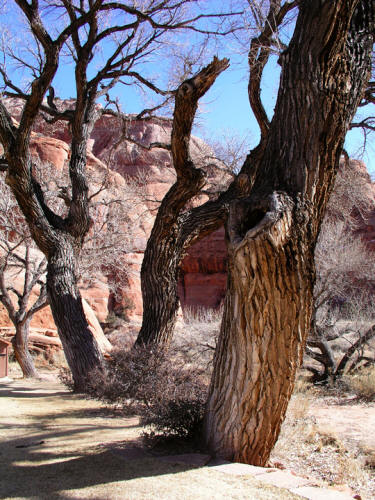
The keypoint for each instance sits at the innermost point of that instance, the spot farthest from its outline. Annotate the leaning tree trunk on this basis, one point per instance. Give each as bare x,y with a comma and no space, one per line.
159,278
80,348
266,317
166,245
272,235
21,349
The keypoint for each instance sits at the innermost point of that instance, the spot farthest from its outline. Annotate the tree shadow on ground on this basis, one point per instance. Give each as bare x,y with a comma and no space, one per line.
51,451
36,474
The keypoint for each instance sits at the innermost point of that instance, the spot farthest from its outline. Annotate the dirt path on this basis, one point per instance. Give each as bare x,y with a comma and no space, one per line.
54,445
351,422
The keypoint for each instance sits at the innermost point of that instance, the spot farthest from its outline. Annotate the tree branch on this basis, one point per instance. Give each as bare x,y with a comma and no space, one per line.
260,49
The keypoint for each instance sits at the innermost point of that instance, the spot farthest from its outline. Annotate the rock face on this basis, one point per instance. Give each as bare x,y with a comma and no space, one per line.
203,273
148,175
366,218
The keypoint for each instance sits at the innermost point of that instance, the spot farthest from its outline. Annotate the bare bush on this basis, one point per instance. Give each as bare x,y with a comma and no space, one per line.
196,338
362,383
156,385
343,317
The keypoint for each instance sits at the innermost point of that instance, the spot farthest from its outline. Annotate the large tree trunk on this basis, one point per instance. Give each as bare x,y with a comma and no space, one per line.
272,235
21,349
266,317
80,348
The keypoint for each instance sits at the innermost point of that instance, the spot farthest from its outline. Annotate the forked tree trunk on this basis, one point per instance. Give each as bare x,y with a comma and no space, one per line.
272,235
21,349
60,239
80,348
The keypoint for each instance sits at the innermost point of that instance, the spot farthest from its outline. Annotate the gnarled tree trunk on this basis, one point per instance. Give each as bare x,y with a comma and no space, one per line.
265,318
167,242
60,239
272,234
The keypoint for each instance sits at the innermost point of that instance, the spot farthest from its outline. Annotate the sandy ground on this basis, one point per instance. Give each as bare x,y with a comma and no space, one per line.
352,422
55,445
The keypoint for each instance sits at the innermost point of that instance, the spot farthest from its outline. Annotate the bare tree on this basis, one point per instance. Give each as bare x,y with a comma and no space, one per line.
20,261
100,262
272,213
272,233
80,30
344,276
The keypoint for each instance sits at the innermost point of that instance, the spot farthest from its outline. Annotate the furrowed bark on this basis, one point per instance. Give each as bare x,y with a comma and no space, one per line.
272,235
165,249
80,348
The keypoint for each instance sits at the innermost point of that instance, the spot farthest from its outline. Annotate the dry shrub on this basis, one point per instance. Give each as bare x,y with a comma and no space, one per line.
154,384
362,383
195,339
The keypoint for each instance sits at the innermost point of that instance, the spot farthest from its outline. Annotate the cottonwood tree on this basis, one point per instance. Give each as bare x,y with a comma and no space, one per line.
162,257
80,30
20,260
273,232
272,214
100,261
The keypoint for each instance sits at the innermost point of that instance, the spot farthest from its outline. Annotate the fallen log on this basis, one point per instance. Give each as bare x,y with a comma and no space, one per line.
41,340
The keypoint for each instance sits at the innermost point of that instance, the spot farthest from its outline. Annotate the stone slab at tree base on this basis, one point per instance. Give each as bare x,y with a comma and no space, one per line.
305,487
315,493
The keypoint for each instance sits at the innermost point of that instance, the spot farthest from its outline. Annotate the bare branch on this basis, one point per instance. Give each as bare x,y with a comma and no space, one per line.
260,49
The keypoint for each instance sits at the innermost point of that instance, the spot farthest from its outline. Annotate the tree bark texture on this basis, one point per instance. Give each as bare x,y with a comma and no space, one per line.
167,244
272,234
80,348
21,349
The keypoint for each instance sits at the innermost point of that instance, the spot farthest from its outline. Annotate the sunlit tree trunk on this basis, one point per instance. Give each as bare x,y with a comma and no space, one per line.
21,349
272,234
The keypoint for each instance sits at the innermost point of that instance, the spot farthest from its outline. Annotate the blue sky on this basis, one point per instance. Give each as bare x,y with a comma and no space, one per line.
225,109
230,110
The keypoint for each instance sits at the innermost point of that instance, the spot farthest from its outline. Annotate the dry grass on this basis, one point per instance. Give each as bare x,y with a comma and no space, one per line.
362,384
195,338
318,452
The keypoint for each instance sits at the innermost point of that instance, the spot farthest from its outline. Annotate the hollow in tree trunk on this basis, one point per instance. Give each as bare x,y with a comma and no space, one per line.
272,234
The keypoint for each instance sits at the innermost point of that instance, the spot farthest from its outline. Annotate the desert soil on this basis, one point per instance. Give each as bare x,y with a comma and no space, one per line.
55,445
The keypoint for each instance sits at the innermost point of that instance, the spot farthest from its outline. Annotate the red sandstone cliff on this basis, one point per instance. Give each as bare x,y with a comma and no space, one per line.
203,274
